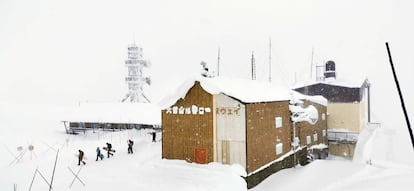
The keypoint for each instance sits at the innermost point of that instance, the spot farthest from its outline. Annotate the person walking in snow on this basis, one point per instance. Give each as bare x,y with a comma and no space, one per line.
80,157
154,135
98,154
130,144
109,149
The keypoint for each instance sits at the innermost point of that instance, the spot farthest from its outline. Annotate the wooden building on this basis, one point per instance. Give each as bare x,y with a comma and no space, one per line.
235,121
348,109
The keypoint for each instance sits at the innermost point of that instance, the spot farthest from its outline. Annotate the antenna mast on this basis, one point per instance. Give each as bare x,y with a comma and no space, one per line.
311,68
218,62
270,59
253,67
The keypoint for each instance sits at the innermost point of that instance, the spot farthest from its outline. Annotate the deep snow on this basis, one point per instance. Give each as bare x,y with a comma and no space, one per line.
247,91
39,125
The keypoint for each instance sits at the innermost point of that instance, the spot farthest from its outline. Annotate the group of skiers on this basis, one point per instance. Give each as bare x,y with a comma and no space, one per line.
109,150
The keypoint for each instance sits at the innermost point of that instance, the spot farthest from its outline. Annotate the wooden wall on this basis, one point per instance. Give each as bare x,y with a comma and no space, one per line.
247,132
187,127
305,129
262,134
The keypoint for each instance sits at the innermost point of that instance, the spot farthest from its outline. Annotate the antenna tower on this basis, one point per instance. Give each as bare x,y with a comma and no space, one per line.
135,78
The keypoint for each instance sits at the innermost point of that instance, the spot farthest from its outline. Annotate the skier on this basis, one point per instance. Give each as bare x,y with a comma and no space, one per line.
109,149
130,144
80,157
98,154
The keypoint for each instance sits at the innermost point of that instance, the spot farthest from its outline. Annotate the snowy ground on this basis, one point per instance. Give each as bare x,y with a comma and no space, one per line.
143,170
38,125
340,175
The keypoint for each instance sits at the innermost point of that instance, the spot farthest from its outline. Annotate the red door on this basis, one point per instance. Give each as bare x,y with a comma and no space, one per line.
200,155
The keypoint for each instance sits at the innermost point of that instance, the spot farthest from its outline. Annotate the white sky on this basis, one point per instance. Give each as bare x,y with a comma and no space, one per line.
55,51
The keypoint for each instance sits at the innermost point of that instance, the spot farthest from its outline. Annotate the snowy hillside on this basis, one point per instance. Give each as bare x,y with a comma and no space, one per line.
38,125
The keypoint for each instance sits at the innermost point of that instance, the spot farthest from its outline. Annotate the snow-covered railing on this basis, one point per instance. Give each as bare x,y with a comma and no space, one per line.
340,136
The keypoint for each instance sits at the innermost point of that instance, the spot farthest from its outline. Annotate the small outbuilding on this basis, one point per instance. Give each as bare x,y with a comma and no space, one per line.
112,116
234,121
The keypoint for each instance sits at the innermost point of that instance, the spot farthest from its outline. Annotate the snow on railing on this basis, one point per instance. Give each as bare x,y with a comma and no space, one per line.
342,136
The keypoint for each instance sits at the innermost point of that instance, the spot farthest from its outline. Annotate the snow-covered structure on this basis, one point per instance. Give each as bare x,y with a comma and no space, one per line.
348,108
237,121
136,79
112,116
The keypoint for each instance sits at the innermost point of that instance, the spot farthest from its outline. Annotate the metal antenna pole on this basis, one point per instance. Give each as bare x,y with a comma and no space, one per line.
253,67
401,96
270,59
218,62
311,68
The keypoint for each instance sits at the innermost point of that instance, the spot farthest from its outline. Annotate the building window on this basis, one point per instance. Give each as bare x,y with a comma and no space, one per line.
278,122
323,116
315,137
308,140
324,133
279,148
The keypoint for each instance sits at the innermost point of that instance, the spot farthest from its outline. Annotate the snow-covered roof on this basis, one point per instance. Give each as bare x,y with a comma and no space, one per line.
136,113
247,91
343,82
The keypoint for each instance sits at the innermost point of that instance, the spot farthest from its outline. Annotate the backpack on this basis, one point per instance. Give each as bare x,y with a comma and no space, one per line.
131,142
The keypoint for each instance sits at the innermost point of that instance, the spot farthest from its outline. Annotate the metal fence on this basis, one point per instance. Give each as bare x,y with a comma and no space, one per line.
338,136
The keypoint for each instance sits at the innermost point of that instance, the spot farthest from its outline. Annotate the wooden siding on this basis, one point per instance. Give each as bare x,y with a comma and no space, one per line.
188,132
333,93
305,129
262,134
231,130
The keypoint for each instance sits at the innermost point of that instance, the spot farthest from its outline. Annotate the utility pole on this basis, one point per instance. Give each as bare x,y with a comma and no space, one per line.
401,95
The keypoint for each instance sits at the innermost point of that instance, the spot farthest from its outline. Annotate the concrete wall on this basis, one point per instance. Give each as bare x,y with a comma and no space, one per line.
288,162
342,149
